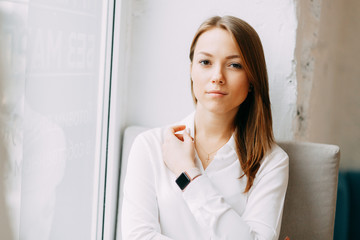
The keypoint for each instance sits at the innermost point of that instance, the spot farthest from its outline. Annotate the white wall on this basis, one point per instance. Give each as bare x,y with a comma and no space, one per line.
161,34
328,93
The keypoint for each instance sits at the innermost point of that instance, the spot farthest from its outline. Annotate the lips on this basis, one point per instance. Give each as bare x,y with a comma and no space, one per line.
219,92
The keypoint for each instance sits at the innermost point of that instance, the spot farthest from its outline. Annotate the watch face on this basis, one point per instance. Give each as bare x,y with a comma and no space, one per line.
182,181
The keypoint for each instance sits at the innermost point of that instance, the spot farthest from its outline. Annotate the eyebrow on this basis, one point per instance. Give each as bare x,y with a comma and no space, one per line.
228,57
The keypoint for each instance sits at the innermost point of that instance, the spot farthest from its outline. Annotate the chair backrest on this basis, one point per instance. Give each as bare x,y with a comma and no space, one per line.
309,210
310,202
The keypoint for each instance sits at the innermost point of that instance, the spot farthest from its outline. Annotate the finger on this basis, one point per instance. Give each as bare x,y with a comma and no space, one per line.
179,136
177,128
170,133
187,136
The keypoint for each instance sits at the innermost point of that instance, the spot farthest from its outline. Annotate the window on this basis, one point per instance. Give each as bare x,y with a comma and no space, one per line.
54,91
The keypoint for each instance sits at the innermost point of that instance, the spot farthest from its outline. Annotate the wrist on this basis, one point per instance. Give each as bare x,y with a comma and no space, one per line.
186,177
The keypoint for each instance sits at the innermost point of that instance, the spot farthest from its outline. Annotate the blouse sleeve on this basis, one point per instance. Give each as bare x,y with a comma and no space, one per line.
261,218
140,218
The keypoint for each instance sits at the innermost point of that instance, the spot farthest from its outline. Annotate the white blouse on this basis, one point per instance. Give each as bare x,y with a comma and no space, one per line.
213,206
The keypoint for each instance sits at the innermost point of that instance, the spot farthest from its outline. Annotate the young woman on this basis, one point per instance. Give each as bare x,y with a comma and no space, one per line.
223,177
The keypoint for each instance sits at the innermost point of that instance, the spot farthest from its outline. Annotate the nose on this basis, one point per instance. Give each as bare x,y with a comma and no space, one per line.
218,77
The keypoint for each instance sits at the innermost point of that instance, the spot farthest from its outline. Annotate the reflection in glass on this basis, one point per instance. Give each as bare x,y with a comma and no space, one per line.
49,124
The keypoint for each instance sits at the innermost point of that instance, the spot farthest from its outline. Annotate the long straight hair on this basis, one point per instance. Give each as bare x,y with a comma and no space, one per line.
253,121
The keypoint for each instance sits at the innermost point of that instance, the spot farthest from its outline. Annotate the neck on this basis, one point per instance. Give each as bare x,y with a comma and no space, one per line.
214,126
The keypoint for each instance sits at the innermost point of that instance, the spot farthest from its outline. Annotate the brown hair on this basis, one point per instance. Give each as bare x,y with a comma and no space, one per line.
253,121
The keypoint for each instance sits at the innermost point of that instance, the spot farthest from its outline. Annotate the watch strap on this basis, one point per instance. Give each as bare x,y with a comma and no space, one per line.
193,173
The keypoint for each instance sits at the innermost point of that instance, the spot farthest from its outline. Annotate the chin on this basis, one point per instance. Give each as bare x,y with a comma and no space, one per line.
219,109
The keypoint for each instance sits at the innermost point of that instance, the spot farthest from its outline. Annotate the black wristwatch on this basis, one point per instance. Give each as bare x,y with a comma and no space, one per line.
186,177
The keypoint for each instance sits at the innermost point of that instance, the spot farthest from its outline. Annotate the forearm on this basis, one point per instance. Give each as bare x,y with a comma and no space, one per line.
213,212
136,227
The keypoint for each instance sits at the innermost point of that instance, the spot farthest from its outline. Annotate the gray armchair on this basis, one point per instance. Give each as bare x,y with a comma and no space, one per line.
310,202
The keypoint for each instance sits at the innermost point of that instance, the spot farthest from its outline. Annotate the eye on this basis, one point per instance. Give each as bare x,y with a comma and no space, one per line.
204,62
236,65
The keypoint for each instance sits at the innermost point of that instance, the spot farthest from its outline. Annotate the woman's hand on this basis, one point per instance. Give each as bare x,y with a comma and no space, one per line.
178,150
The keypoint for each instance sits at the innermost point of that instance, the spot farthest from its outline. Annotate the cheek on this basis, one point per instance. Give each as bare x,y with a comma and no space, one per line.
197,82
242,89
196,88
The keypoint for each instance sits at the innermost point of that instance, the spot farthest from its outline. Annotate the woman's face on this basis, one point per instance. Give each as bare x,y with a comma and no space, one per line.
220,83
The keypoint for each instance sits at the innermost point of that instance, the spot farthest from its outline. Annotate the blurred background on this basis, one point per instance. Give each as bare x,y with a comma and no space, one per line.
75,74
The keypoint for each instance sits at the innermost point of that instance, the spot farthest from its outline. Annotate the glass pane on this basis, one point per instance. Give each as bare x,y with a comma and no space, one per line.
52,103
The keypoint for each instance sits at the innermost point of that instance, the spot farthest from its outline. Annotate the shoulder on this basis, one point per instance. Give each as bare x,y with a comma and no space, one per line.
154,136
275,160
148,139
276,155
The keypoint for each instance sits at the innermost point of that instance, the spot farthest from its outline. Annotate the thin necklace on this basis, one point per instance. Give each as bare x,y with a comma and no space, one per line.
208,154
